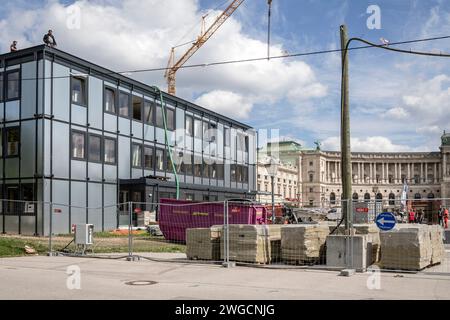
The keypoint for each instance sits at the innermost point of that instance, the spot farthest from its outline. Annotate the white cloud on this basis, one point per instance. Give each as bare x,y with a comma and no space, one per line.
136,34
227,103
396,113
369,144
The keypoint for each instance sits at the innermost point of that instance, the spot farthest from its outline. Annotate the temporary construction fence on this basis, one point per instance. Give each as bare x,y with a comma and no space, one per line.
242,232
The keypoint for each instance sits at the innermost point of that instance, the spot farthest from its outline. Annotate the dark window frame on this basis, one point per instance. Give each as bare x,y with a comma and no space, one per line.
152,168
189,134
133,96
72,131
6,73
116,99
94,135
164,161
198,120
165,113
153,114
133,144
86,90
104,151
5,142
121,92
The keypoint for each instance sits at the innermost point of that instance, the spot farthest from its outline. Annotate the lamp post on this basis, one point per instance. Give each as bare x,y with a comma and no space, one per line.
272,169
375,202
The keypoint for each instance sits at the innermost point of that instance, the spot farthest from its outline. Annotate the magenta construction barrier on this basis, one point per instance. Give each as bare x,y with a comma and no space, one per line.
175,216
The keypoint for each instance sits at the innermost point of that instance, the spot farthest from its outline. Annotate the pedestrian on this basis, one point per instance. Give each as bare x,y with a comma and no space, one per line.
440,216
411,216
49,39
446,218
13,47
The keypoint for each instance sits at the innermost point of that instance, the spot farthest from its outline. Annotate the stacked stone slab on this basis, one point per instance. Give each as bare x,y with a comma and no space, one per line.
253,243
203,243
302,244
406,248
437,244
275,242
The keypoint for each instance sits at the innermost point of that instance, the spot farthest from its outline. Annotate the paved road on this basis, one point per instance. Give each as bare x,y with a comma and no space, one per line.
46,278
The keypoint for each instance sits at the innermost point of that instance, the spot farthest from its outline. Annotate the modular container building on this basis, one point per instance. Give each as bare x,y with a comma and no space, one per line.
79,139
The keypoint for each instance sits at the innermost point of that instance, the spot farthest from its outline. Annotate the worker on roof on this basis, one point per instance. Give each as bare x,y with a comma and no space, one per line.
49,39
13,46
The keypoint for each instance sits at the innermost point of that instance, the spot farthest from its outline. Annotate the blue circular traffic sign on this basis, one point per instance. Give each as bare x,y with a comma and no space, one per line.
386,221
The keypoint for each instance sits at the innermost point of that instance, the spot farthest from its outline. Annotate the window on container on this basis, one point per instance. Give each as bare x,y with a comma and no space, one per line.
149,112
12,85
78,145
212,132
311,178
2,86
170,117
12,142
79,90
198,128
180,166
205,169
137,108
124,104
206,131
169,163
198,166
213,170
240,142
188,165
95,148
148,158
189,126
227,134
233,172
1,149
159,159
246,144
110,151
136,155
110,100
244,174
220,170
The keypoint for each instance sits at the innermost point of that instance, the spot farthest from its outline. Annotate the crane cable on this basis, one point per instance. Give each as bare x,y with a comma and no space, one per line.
169,148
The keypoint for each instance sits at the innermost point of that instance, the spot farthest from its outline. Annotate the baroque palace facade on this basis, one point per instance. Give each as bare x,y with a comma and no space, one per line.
375,175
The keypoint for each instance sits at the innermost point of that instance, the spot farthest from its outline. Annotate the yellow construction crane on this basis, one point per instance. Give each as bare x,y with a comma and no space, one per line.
173,66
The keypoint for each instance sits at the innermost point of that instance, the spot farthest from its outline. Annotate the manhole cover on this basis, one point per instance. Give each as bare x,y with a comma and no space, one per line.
141,283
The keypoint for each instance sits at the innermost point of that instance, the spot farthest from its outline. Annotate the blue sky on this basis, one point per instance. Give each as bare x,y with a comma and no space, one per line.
398,102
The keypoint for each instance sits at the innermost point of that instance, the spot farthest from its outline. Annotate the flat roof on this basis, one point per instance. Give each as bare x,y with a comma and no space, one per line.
12,58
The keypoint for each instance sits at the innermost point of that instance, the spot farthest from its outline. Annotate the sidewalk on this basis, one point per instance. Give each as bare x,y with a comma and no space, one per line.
45,278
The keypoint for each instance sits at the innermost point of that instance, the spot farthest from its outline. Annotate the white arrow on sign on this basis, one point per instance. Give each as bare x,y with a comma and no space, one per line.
382,221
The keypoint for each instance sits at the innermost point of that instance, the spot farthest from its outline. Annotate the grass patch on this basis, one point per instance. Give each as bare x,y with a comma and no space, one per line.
12,247
104,242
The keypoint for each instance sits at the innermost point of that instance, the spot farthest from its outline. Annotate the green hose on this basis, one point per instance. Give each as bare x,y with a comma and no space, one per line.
177,182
